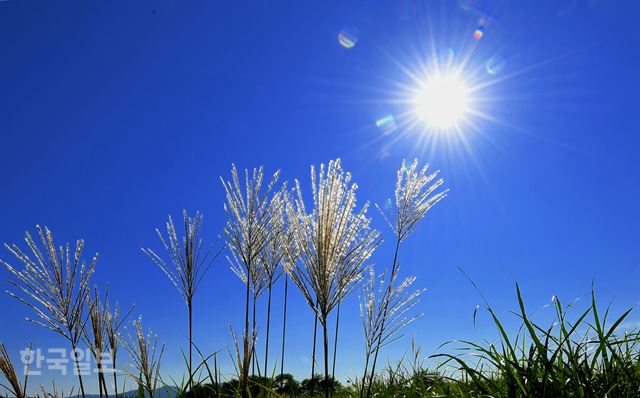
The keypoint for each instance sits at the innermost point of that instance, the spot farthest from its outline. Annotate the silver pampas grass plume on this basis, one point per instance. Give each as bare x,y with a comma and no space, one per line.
415,195
146,355
249,211
333,241
189,261
54,284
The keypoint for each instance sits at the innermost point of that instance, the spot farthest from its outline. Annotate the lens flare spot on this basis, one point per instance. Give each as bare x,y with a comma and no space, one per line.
495,65
386,124
447,55
388,204
467,5
478,33
348,37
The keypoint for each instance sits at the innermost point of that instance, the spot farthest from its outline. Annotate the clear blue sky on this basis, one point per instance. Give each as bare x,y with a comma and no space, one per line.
114,114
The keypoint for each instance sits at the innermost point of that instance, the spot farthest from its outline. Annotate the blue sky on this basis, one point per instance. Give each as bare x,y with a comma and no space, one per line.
115,114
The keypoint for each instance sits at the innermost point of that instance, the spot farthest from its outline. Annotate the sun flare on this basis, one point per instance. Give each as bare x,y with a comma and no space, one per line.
442,101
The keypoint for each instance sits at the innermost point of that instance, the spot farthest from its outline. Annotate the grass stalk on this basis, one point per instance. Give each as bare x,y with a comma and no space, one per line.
313,350
253,328
187,265
77,363
326,356
112,329
384,315
284,329
335,344
244,378
266,347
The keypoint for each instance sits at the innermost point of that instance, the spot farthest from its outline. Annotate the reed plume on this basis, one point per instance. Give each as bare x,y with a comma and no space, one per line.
415,195
379,305
334,241
241,362
98,340
146,357
248,212
188,262
18,389
55,393
112,329
55,285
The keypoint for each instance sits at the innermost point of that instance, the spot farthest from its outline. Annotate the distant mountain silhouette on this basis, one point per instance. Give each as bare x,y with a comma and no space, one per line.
162,392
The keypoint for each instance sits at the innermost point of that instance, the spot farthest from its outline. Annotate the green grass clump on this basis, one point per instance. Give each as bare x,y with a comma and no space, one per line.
586,357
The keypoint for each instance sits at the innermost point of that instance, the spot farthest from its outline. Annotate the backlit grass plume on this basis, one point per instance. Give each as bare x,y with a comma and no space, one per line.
55,392
334,241
189,260
249,212
97,340
112,329
17,388
241,362
415,195
54,284
143,350
380,305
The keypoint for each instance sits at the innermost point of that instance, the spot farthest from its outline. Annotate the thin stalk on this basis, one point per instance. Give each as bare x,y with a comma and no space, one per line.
266,348
190,305
335,344
253,328
326,358
215,370
384,317
313,354
104,383
365,374
245,343
284,328
115,379
75,358
100,384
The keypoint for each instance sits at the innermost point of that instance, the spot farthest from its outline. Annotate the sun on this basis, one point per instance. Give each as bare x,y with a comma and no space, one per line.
443,101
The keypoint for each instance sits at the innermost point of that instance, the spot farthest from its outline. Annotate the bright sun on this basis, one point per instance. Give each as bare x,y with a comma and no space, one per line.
442,101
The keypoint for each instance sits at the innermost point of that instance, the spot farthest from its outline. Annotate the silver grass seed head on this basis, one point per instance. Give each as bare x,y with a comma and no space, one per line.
334,240
415,195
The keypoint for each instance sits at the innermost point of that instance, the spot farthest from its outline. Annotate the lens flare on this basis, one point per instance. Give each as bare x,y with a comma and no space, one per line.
388,204
466,5
495,65
446,56
348,37
478,33
386,124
